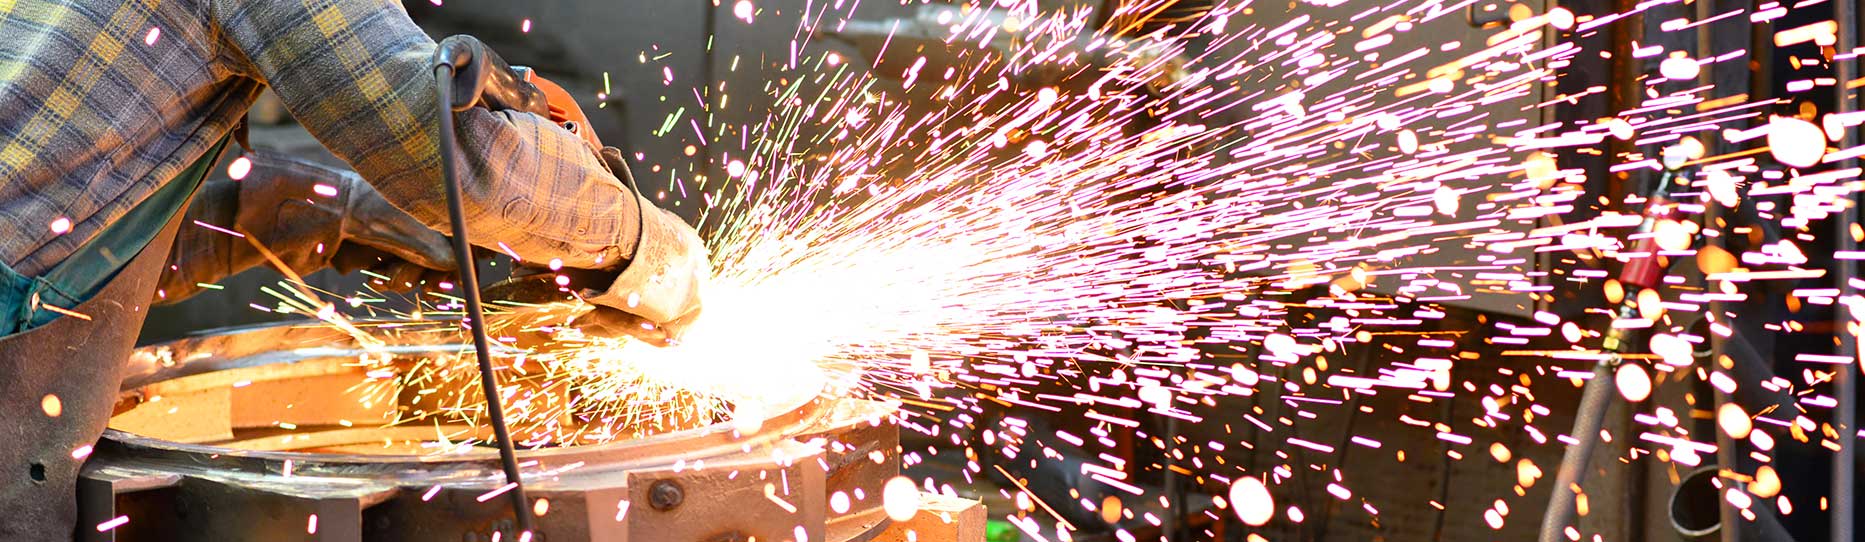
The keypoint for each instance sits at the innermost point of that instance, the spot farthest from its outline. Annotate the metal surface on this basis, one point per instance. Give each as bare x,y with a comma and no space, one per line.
225,388
57,397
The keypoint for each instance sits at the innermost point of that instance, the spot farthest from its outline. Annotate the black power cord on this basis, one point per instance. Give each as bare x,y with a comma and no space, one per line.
465,56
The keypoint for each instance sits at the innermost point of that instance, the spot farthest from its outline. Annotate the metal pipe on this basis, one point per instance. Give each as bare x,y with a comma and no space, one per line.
475,315
1624,69
1727,516
1594,400
1713,218
1845,384
1695,501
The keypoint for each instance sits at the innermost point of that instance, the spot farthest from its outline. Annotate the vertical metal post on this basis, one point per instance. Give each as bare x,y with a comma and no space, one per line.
1845,384
1174,490
1729,520
1714,218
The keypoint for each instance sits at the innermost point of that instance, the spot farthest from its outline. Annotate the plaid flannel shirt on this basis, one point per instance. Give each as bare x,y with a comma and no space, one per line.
102,101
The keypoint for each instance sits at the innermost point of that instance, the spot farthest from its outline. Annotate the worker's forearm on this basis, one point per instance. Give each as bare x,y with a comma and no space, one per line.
203,256
534,190
293,208
356,74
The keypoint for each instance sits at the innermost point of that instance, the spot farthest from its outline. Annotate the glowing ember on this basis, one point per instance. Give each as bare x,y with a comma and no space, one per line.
900,498
1734,421
51,405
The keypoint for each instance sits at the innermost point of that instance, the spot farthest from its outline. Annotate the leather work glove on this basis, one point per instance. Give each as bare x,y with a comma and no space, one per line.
656,294
310,216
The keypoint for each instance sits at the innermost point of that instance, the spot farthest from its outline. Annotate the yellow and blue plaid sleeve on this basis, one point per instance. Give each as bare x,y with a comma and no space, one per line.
101,103
355,74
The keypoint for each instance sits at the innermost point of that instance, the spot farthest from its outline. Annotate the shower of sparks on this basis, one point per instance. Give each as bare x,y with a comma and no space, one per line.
558,391
1256,227
1015,210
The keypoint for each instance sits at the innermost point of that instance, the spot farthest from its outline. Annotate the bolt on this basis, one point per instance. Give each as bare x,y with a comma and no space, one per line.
664,495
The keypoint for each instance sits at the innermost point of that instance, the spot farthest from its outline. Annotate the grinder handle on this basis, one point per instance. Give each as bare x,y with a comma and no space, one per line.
482,78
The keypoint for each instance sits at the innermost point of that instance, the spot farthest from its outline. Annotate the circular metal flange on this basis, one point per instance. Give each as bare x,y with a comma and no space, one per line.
710,478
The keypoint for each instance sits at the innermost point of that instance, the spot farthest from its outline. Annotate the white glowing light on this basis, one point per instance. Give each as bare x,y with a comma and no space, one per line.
1673,349
1281,345
748,417
1252,501
1446,201
1761,440
1722,187
1672,235
1679,68
1561,18
1157,396
1795,142
1619,128
240,168
1675,156
743,10
1634,383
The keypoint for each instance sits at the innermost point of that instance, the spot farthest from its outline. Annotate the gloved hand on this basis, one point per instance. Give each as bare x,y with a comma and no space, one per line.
310,216
657,294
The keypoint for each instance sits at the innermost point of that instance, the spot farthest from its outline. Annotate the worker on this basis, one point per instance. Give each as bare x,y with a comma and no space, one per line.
113,111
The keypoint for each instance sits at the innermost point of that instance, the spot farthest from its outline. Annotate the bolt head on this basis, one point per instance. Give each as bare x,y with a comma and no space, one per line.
665,495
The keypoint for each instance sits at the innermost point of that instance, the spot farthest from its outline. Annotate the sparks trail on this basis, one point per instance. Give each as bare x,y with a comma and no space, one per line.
1095,198
1015,211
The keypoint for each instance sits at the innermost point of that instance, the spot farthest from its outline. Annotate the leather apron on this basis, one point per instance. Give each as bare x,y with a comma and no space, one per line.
59,378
